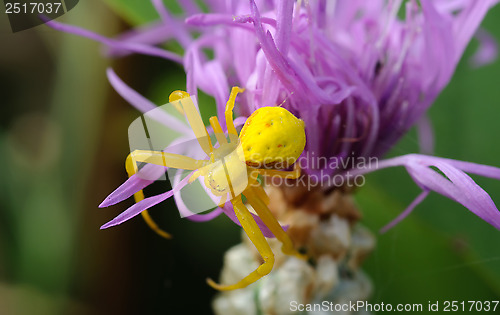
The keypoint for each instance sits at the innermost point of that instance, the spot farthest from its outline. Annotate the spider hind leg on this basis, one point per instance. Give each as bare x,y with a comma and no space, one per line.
257,238
270,221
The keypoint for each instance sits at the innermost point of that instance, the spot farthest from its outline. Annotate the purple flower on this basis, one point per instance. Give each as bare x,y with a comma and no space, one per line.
360,77
355,72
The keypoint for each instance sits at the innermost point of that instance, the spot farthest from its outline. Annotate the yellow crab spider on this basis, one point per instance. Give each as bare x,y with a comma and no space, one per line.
271,139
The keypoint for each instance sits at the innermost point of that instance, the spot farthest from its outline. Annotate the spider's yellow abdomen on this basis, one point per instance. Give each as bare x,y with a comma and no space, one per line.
272,137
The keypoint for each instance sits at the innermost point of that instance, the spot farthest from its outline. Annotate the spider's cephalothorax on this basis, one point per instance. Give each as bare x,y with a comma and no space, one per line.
227,174
271,139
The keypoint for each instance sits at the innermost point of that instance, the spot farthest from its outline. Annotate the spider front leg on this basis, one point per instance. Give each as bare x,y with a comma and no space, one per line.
158,158
184,104
219,134
257,238
229,110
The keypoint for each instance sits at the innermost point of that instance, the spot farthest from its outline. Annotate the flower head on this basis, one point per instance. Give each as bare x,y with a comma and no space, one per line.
359,76
356,73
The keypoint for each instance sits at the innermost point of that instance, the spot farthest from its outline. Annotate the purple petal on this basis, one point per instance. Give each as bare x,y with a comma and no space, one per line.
205,217
244,54
148,174
150,35
474,168
145,204
468,22
471,196
180,31
190,7
240,121
209,76
487,51
138,208
143,104
284,25
161,9
127,189
458,186
211,19
115,44
405,213
278,62
439,47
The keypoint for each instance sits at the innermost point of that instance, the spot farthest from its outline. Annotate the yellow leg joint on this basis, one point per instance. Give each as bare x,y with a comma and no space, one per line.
138,196
259,241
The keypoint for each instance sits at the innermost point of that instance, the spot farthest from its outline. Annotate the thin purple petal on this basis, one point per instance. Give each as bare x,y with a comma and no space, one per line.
284,25
458,186
487,51
285,73
144,204
149,35
143,104
468,22
115,44
127,189
138,208
470,195
405,213
180,32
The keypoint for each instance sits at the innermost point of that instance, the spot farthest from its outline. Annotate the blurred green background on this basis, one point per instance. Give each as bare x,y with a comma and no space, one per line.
63,142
